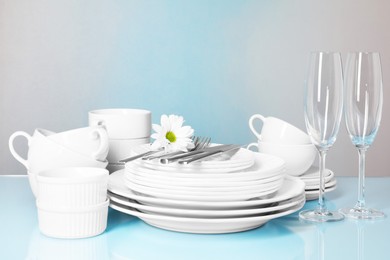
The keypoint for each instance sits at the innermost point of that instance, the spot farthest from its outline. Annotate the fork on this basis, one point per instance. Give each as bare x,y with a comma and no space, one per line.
199,142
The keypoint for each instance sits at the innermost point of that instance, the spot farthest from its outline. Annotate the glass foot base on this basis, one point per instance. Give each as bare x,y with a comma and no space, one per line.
320,216
362,213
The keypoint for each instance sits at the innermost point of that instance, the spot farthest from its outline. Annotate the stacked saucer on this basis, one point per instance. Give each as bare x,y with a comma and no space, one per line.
207,196
311,180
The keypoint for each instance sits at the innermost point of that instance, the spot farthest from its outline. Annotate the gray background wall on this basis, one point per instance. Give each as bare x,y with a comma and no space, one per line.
214,62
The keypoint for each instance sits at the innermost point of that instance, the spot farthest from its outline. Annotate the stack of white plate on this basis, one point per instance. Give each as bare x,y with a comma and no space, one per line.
208,196
311,178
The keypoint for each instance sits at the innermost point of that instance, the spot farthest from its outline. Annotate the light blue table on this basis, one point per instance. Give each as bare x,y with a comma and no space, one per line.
127,237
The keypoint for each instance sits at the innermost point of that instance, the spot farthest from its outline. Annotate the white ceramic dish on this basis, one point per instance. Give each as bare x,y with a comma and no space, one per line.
122,123
240,159
188,196
291,187
206,225
174,186
208,213
72,187
313,194
121,148
331,183
73,223
313,174
263,166
197,182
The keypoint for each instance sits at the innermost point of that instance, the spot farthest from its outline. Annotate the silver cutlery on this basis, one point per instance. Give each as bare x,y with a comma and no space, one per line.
199,142
204,155
192,153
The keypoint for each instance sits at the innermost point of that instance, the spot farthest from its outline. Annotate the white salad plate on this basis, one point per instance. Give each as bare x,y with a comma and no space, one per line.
206,225
292,187
207,213
173,186
314,174
197,196
190,182
233,161
314,194
328,184
263,166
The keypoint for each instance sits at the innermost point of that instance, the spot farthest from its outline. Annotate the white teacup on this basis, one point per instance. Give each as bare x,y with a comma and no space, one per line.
121,148
298,158
90,141
123,123
277,131
45,154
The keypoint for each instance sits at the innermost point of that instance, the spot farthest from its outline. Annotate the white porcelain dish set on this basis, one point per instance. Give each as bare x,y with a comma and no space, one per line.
233,192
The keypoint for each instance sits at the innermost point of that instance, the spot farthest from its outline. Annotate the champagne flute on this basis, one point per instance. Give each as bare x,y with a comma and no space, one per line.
323,111
363,112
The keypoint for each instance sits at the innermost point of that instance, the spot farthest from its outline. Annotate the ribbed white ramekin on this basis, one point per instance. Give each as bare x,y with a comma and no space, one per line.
65,222
72,187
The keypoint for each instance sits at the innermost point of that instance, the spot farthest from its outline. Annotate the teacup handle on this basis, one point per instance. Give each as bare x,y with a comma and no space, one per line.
252,145
102,135
256,116
12,149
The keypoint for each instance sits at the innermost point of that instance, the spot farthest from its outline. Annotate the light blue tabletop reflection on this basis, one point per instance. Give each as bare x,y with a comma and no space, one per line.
128,237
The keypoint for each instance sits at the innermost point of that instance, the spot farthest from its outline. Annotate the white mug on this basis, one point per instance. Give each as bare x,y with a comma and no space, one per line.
123,123
275,130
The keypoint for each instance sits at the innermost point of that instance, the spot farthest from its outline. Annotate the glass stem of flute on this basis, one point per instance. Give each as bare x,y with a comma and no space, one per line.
321,199
362,167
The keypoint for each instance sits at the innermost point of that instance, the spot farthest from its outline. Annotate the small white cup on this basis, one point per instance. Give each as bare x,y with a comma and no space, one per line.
45,154
62,222
121,148
123,123
72,187
90,141
275,130
298,158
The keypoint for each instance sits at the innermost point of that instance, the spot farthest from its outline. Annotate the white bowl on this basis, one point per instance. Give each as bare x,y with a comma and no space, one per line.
63,222
113,167
298,158
72,187
123,123
121,148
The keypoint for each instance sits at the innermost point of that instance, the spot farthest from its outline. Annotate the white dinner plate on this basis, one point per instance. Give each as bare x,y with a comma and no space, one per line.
291,187
263,166
190,182
196,196
207,213
206,225
173,186
239,160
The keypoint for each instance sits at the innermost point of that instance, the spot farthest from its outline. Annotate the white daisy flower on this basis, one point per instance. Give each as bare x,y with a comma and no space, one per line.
172,135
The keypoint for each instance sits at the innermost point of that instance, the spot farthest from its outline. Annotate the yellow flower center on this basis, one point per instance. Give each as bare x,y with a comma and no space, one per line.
171,136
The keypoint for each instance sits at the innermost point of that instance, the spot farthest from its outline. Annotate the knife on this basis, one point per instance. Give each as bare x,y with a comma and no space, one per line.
196,152
210,153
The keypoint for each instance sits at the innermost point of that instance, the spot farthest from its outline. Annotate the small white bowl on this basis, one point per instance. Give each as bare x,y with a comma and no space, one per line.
72,187
62,222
